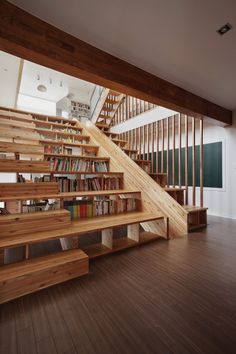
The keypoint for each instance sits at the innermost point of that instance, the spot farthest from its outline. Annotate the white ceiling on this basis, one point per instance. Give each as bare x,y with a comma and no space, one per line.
175,40
58,85
9,67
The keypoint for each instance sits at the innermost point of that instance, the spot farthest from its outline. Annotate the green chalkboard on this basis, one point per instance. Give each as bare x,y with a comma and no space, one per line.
212,165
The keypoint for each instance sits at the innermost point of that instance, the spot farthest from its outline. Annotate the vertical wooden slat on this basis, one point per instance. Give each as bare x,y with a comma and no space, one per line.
163,144
180,148
157,146
193,162
144,142
186,159
168,151
173,151
148,142
201,162
152,141
127,106
140,141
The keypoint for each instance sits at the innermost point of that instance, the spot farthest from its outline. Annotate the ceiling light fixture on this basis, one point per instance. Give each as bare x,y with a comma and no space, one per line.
38,77
42,88
50,80
60,83
224,29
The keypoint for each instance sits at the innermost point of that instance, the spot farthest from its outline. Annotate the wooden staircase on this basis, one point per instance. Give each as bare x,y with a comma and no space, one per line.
108,110
45,145
196,216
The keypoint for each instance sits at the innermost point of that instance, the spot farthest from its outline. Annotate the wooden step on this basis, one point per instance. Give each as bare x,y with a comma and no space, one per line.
24,166
65,195
41,123
56,133
143,162
177,193
80,227
114,135
80,157
128,150
108,109
102,125
13,225
27,149
65,143
15,116
110,101
26,277
119,142
104,116
160,178
197,217
14,190
119,244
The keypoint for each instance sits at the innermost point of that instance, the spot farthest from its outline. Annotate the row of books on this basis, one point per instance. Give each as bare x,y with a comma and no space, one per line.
99,206
77,165
40,206
61,138
88,184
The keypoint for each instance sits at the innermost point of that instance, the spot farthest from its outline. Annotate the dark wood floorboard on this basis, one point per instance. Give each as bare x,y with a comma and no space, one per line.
165,297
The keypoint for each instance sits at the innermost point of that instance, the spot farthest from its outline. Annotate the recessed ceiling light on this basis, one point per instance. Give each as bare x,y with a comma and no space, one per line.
224,29
42,88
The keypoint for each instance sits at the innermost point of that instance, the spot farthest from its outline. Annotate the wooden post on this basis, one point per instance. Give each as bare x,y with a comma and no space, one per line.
153,139
201,162
140,142
193,162
167,150
107,237
163,144
173,151
148,142
133,232
157,146
180,148
186,159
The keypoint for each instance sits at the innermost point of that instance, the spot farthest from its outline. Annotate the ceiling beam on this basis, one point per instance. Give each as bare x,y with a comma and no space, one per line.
30,38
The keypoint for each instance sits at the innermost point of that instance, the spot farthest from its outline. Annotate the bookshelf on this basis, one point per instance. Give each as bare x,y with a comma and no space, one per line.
66,168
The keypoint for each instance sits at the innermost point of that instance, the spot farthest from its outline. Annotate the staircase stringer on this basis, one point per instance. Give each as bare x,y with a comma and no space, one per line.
154,198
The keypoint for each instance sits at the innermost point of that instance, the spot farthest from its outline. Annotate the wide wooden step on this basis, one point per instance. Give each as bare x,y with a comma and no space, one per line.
27,149
80,227
24,166
64,195
65,134
13,225
26,277
113,135
119,244
13,190
177,193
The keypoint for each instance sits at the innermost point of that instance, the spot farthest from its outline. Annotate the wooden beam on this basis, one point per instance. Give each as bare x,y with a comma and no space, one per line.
30,38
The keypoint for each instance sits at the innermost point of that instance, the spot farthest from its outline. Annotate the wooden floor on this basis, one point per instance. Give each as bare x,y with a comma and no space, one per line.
165,297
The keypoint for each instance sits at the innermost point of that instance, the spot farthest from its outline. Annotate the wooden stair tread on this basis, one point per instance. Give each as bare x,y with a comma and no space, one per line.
129,150
86,173
104,116
192,209
81,227
119,141
53,132
109,100
55,142
114,93
102,125
174,189
59,125
119,244
82,157
65,195
14,270
147,162
27,216
157,174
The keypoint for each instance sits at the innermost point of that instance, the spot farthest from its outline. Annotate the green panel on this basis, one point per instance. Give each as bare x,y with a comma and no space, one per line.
212,165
